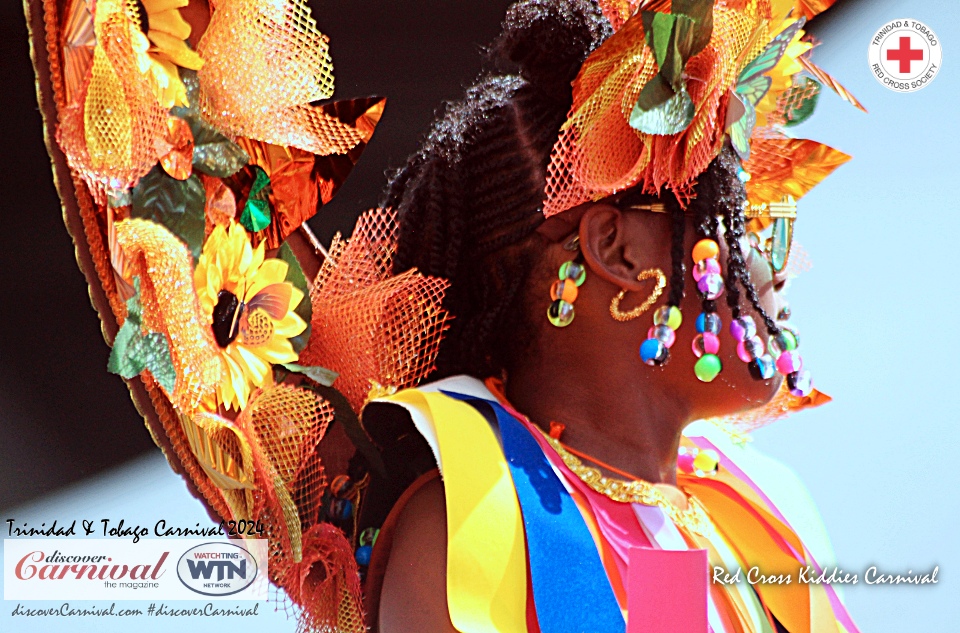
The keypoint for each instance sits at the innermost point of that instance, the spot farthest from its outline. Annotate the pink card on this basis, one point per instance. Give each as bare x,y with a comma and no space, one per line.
667,591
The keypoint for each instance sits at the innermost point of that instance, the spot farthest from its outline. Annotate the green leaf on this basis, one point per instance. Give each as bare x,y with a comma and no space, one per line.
668,117
320,375
176,204
701,14
121,360
213,153
796,116
305,310
133,351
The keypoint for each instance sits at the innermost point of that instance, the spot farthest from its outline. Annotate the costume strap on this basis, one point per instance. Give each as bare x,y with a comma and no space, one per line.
486,566
561,583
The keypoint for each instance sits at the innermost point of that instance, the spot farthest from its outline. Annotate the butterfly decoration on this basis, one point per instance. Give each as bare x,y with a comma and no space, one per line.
752,85
233,317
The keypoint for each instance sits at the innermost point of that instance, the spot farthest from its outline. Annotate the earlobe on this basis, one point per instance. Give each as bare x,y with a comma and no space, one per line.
606,247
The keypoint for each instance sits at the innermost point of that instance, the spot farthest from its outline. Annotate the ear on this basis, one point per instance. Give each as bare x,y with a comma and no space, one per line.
610,246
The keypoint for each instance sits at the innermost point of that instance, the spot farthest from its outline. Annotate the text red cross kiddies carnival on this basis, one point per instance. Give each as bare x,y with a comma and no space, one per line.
905,54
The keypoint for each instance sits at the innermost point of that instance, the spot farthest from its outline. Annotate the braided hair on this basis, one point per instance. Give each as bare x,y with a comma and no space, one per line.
469,201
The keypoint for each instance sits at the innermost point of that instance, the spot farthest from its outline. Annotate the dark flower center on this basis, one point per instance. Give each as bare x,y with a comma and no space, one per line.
226,318
144,17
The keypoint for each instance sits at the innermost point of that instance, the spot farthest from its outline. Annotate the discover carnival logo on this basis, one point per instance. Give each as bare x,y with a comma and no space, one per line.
217,569
905,55
97,569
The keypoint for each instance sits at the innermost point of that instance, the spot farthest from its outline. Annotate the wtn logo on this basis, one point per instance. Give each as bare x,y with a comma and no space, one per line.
217,569
225,569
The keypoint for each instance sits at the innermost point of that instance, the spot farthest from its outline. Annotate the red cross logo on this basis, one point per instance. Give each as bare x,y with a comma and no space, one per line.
905,55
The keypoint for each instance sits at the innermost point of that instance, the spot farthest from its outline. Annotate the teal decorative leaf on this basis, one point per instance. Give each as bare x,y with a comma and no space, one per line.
669,117
133,351
701,14
305,310
320,375
256,211
176,204
213,153
344,414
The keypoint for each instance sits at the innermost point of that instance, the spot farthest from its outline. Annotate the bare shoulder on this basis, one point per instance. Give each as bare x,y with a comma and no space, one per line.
414,593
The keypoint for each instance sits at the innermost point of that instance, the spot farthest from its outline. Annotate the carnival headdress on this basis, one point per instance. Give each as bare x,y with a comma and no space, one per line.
652,108
189,164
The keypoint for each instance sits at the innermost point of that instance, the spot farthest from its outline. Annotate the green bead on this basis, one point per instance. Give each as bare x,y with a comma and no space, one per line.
574,271
669,316
560,313
707,367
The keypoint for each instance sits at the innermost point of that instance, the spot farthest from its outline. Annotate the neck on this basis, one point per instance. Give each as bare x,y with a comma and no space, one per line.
628,423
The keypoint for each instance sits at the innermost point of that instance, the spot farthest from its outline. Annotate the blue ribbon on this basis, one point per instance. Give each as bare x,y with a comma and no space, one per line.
571,590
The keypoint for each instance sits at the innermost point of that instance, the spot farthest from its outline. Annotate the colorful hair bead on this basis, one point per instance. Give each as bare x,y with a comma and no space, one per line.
564,292
786,341
564,289
710,286
706,267
705,343
706,462
750,348
663,333
743,327
707,367
574,271
800,383
705,249
762,368
709,322
560,313
669,316
653,352
789,362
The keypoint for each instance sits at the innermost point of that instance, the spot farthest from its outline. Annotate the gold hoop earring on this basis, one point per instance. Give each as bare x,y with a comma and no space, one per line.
650,273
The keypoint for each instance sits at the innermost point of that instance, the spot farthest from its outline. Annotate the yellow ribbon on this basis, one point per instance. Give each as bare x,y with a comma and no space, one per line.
486,552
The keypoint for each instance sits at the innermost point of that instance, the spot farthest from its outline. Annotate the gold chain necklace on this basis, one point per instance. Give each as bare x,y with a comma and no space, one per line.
693,518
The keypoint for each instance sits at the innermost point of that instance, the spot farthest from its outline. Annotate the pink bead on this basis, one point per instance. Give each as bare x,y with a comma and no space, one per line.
685,462
750,348
706,267
664,334
710,285
789,362
706,343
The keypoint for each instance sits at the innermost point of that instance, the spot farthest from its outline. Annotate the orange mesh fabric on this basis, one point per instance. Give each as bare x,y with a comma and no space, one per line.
285,65
107,131
598,153
171,307
371,325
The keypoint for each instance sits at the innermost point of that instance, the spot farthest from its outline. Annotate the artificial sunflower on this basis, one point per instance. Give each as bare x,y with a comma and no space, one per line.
160,47
250,309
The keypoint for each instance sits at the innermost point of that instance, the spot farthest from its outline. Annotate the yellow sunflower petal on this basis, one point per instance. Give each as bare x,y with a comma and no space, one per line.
272,271
176,50
277,350
289,326
255,367
170,23
156,6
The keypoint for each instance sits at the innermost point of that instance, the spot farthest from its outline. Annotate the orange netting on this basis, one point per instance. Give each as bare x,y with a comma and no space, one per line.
171,307
599,153
285,65
368,324
107,130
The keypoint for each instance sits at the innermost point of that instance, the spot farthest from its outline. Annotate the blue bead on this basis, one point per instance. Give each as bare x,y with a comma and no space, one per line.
709,322
363,555
653,352
341,509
